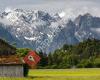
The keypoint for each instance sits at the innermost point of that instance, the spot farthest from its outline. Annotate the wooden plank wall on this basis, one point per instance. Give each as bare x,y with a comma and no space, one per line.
11,71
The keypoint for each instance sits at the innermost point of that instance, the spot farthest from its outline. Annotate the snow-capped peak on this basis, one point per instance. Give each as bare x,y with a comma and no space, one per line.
7,10
62,14
24,16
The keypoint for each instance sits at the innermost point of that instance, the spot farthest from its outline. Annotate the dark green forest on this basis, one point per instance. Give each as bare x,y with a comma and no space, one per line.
83,55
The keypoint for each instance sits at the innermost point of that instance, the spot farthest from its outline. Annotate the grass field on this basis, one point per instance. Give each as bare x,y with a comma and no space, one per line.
61,74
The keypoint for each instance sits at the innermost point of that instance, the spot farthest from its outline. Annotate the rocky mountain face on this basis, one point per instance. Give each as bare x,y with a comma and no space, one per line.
5,34
41,31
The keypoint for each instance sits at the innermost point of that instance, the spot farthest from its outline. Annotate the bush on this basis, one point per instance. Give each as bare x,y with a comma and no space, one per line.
85,64
22,51
97,62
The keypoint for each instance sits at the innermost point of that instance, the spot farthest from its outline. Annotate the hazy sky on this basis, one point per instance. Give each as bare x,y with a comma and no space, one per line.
54,5
42,3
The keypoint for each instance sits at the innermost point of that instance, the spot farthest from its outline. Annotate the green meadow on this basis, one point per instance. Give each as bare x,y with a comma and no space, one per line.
61,74
64,72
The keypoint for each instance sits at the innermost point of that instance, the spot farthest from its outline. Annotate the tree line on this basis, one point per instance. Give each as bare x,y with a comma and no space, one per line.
83,55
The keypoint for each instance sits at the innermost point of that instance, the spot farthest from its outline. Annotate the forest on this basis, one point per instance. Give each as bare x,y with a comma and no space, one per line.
86,54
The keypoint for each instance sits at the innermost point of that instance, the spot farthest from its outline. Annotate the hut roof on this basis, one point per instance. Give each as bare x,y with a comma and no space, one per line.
11,59
3,42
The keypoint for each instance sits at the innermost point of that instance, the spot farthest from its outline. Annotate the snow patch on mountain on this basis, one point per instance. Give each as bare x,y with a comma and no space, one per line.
7,10
31,38
62,14
96,30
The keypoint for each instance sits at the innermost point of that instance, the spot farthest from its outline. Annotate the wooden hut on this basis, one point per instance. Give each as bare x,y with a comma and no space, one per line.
11,66
10,63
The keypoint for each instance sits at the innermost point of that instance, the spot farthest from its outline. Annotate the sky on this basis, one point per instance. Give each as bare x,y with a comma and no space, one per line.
69,6
46,3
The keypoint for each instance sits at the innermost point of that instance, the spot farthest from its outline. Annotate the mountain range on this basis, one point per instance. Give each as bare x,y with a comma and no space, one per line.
42,31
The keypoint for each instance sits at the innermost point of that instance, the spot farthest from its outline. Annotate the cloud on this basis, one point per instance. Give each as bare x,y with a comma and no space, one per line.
71,7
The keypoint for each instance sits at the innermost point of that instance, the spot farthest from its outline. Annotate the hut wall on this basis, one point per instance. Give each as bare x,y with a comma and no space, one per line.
11,71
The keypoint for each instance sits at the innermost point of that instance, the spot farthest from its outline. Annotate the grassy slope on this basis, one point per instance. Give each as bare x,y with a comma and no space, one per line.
62,74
